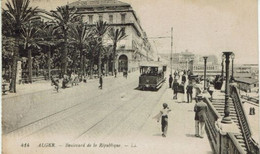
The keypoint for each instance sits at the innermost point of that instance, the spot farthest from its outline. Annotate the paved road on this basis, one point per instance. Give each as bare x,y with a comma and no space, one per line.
79,113
84,119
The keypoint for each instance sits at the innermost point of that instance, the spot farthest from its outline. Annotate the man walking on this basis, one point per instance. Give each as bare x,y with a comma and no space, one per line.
175,88
163,115
115,73
100,82
183,78
200,110
189,92
170,81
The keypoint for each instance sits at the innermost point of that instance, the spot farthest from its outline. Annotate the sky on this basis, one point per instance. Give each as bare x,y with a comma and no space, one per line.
200,26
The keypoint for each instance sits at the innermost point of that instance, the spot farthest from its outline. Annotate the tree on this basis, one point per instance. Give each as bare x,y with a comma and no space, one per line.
15,16
80,34
63,17
107,54
94,47
116,35
49,40
29,34
100,29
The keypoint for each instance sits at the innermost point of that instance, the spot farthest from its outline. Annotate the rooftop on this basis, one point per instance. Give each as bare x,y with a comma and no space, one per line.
247,80
97,3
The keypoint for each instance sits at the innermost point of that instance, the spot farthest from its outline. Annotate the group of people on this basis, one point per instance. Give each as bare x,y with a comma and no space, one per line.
73,79
180,86
200,110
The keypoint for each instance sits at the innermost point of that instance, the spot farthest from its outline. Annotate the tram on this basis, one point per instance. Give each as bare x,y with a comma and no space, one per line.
152,76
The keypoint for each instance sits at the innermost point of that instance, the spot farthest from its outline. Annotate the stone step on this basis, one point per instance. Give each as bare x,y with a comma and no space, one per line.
239,137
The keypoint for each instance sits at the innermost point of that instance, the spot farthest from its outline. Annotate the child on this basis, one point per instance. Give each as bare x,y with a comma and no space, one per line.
164,118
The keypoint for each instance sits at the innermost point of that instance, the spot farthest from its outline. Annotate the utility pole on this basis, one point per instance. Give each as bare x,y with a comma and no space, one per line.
171,47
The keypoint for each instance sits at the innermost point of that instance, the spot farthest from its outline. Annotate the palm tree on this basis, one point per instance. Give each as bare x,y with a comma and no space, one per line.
107,54
116,35
94,46
100,29
63,17
49,40
29,34
80,34
16,15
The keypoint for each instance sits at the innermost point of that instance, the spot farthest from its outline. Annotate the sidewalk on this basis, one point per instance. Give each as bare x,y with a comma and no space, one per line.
181,131
45,85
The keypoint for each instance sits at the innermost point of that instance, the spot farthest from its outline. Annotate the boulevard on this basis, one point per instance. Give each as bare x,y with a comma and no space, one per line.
117,114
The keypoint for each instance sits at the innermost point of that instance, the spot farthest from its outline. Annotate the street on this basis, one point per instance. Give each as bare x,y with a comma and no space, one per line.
118,115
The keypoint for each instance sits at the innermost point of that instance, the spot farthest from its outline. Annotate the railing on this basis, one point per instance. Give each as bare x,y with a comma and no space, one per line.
251,145
232,145
213,134
255,100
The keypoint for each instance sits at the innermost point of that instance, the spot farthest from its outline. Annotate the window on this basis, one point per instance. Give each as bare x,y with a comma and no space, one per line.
100,17
90,17
123,18
110,19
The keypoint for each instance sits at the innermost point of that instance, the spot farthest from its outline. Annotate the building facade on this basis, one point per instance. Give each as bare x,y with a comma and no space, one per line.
213,68
246,71
132,49
248,84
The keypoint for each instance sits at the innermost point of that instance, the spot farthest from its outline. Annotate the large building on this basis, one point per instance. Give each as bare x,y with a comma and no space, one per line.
195,63
246,71
135,47
213,67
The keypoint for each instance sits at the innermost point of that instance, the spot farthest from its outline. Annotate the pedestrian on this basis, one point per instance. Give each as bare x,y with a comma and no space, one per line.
125,73
170,81
183,78
84,79
200,110
163,115
65,81
55,83
100,82
175,74
72,78
181,92
189,91
175,88
115,73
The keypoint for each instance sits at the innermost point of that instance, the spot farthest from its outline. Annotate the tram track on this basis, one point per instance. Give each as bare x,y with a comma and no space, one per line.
77,114
124,120
119,88
146,112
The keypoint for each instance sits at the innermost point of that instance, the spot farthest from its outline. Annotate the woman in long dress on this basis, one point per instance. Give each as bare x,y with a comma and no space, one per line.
181,92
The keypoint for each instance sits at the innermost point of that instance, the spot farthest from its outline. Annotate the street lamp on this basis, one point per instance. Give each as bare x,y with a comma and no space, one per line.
222,64
205,69
232,76
226,119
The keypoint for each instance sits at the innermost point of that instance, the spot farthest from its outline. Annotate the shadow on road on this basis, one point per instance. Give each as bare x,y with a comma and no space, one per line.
157,134
191,135
146,89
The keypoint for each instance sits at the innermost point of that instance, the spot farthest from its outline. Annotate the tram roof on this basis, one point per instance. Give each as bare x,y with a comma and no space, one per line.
151,64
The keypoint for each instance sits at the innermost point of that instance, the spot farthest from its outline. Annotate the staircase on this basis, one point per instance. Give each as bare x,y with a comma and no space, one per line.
219,105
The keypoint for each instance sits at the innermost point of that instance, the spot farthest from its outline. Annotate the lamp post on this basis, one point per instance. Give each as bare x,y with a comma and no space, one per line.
226,119
232,75
191,68
205,69
222,64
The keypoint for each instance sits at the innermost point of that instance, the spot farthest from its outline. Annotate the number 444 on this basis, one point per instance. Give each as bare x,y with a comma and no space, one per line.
25,145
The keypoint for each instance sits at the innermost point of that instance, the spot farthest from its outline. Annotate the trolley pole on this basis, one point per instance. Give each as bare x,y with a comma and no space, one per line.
171,47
